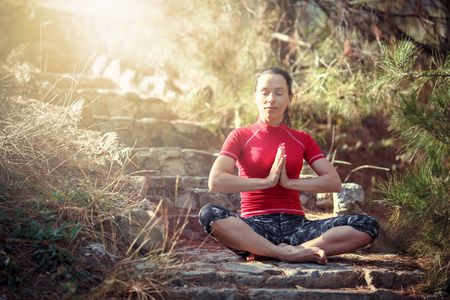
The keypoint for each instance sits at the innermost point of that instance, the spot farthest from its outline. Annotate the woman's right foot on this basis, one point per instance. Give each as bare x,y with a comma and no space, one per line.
299,254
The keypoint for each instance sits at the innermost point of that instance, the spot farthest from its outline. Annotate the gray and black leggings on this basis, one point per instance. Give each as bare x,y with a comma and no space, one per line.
288,228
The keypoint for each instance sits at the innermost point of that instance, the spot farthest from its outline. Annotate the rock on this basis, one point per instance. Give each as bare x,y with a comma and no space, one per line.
126,80
348,201
219,274
252,269
392,279
187,201
140,229
192,182
324,201
111,103
206,293
153,108
140,185
99,65
196,162
123,126
100,250
197,198
164,160
156,199
154,85
308,200
157,133
145,204
229,201
175,161
112,71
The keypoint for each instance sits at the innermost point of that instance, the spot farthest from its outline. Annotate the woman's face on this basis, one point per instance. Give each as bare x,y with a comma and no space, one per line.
272,97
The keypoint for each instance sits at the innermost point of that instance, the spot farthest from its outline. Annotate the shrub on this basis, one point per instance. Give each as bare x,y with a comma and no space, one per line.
419,197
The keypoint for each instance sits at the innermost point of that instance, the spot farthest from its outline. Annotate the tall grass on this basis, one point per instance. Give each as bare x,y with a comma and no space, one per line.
60,192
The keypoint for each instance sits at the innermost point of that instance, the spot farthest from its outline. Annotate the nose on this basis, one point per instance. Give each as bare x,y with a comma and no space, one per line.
270,98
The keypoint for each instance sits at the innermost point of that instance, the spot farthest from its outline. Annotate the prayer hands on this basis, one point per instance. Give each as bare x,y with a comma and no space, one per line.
284,179
278,166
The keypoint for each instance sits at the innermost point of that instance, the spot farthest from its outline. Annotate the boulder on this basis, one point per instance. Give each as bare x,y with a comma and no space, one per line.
349,200
140,229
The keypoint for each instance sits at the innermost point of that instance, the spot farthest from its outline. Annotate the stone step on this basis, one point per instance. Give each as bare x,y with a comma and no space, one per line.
182,162
149,132
219,274
207,293
174,161
337,274
188,192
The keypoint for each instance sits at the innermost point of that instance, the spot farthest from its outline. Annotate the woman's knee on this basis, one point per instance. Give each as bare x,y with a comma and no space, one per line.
211,213
367,224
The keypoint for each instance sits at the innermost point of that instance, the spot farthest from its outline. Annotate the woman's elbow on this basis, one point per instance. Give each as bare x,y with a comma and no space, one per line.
212,184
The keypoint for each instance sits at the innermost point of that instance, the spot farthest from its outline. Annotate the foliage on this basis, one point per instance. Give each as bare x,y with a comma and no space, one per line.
425,22
60,190
420,196
331,48
223,43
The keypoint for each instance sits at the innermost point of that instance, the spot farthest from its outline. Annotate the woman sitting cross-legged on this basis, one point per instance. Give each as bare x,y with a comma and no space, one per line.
269,156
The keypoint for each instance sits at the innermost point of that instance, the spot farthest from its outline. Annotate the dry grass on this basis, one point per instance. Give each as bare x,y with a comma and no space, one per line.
60,190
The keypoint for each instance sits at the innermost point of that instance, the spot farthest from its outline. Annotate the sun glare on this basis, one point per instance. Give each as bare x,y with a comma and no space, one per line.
122,9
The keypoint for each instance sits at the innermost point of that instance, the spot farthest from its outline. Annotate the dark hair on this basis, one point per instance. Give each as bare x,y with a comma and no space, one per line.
288,78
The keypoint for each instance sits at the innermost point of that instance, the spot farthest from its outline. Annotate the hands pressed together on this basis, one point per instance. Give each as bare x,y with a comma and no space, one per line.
278,172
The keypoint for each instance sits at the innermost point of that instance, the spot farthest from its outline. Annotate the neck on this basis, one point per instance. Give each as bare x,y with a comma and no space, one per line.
272,129
273,122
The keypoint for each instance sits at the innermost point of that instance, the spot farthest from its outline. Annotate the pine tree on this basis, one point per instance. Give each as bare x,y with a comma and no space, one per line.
419,196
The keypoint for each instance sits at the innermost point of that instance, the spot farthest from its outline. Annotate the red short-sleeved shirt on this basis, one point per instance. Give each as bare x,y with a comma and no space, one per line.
254,149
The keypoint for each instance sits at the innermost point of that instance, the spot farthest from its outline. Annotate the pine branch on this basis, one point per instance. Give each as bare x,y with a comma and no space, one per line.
429,75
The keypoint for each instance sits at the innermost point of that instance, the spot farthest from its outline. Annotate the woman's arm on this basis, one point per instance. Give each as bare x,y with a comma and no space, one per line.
328,180
221,179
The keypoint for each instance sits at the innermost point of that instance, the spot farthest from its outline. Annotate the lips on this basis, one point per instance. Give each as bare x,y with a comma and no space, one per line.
270,108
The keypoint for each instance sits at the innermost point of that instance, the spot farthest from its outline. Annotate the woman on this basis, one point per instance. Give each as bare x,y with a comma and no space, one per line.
269,156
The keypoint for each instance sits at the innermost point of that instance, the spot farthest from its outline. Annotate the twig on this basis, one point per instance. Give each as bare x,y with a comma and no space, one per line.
364,167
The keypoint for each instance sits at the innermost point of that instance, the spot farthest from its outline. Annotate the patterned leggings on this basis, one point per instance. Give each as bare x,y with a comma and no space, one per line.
288,228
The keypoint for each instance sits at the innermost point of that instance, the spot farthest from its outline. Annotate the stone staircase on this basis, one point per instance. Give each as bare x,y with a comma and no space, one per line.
173,168
170,160
214,272
219,274
179,177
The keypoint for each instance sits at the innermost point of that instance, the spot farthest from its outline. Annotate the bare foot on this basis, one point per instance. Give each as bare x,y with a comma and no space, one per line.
297,254
253,257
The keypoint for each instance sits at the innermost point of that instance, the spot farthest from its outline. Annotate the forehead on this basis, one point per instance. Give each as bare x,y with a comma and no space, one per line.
273,81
